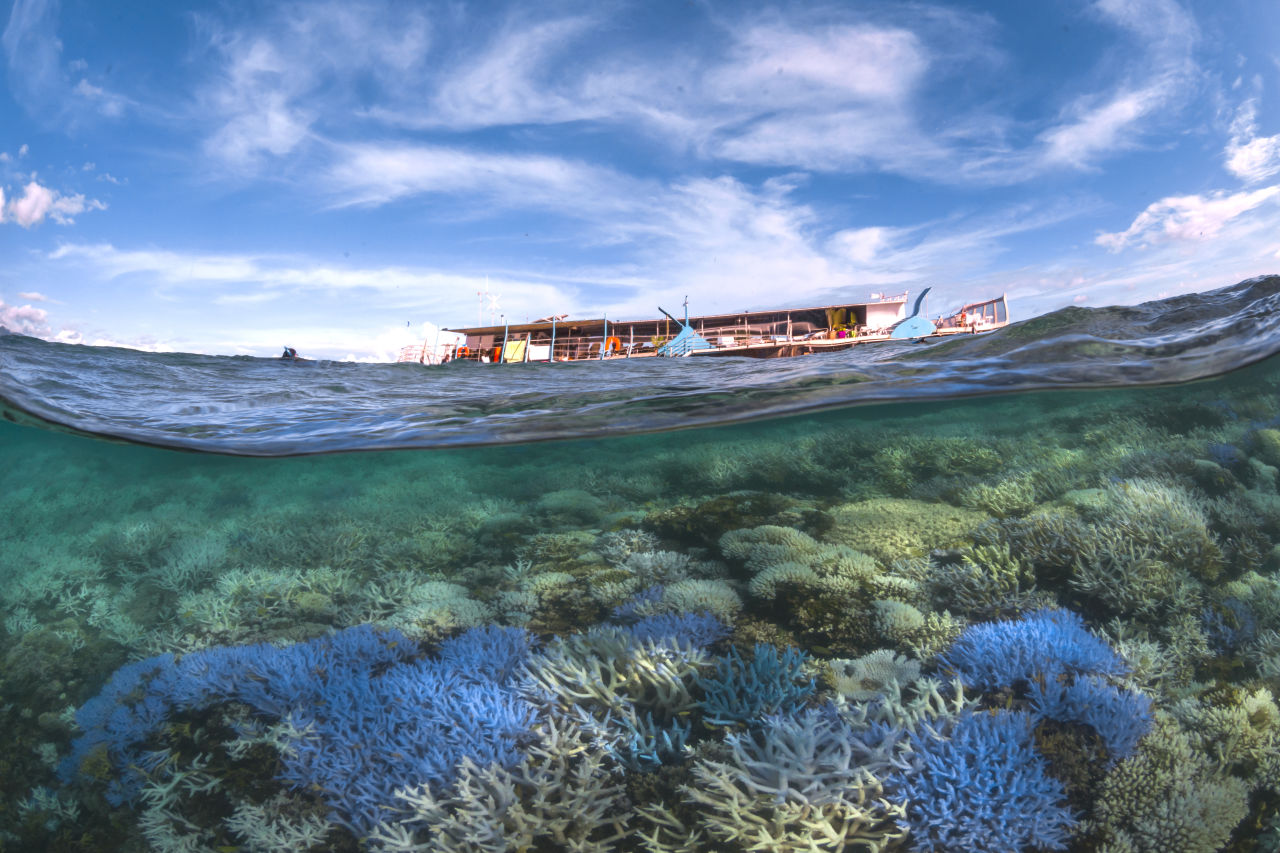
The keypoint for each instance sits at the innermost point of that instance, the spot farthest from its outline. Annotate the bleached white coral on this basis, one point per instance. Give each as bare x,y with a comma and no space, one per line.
266,828
872,675
690,596
657,567
896,620
764,584
562,795
608,668
802,783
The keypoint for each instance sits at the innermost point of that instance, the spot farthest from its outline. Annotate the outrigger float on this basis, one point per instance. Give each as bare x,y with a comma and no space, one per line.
757,334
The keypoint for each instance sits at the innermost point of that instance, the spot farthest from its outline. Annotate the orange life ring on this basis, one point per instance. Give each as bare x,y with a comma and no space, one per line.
463,352
612,344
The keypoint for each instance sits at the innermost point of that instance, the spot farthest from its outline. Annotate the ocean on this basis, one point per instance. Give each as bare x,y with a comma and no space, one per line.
1015,591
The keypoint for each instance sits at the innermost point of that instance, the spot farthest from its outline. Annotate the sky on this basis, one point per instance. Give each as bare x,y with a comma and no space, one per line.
230,178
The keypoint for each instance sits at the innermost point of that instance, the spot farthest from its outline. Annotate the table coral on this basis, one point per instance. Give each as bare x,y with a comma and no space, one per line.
892,528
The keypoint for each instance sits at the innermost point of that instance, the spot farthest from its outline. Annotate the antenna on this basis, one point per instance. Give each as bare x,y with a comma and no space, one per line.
493,307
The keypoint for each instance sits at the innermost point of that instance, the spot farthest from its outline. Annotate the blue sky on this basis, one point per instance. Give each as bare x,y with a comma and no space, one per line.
228,178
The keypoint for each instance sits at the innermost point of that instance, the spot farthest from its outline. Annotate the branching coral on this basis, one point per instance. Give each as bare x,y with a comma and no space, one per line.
1166,797
356,701
1052,653
802,783
560,796
741,691
609,669
977,783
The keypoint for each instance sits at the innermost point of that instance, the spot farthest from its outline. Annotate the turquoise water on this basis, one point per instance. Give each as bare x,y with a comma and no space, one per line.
847,553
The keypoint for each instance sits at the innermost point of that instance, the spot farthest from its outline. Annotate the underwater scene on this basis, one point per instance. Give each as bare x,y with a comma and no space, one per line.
1016,592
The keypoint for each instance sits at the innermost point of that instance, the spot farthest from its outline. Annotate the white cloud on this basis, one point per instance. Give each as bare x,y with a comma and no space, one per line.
22,152
276,83
33,297
35,204
34,52
1250,157
510,81
24,319
1160,74
376,174
38,203
107,103
255,105
1102,128
37,77
239,279
1186,218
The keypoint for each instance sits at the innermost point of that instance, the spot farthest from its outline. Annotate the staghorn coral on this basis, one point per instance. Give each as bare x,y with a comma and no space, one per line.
562,795
353,701
1166,518
609,669
739,691
992,655
1120,717
685,629
988,581
1060,662
1011,496
1238,729
975,782
802,783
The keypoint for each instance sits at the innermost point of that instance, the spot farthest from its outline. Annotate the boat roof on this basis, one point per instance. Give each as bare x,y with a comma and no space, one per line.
732,316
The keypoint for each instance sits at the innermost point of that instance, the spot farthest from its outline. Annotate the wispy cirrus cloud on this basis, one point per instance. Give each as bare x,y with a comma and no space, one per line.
235,278
374,174
1154,77
1186,218
39,78
275,83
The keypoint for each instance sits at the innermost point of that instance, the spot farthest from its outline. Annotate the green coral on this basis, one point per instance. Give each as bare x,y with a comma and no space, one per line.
890,528
1166,797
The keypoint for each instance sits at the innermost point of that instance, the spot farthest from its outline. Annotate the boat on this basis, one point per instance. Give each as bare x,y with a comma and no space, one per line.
756,334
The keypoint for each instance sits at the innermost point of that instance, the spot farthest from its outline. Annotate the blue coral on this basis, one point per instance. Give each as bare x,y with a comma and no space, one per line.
699,629
1120,717
642,601
771,683
409,725
993,655
490,654
979,784
376,718
1061,663
647,745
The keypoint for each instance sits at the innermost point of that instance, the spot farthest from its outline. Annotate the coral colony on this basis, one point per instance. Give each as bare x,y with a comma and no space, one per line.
1002,627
